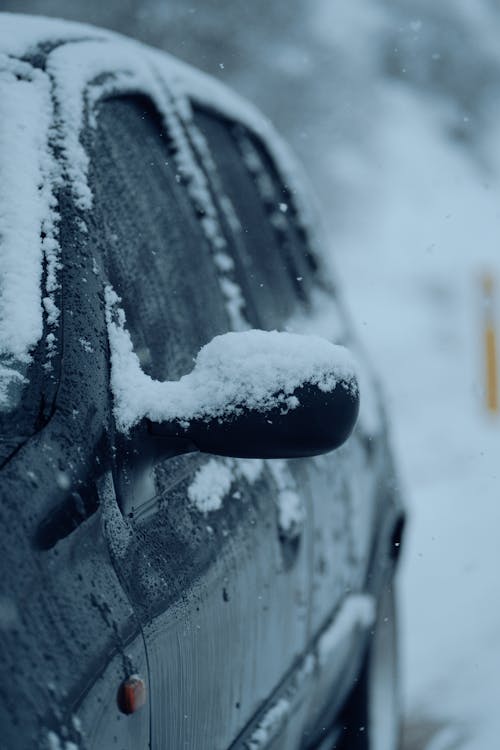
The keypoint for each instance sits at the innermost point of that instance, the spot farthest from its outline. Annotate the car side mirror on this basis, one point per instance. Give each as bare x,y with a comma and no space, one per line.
258,394
319,423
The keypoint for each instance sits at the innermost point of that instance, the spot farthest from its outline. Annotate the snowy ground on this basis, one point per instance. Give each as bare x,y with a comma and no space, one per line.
411,258
421,225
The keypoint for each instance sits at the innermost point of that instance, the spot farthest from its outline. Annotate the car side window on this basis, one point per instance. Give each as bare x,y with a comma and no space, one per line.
155,253
277,266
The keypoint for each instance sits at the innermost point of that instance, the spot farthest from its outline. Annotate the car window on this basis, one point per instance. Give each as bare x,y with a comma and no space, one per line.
155,253
277,264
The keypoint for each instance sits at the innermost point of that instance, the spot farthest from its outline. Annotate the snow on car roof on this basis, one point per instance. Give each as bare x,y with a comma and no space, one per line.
47,110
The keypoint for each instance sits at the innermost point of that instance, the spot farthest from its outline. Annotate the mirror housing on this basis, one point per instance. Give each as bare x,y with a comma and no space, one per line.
321,422
250,394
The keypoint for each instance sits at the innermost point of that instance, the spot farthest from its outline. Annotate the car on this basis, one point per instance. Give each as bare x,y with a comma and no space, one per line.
193,556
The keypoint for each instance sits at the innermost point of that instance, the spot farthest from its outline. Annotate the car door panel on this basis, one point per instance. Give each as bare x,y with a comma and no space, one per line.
224,613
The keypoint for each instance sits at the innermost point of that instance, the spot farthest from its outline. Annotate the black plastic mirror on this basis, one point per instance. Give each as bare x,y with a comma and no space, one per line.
320,423
257,394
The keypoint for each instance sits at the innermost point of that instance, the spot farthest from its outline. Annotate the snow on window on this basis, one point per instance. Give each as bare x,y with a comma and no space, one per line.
291,511
28,221
210,485
257,370
235,303
213,481
249,468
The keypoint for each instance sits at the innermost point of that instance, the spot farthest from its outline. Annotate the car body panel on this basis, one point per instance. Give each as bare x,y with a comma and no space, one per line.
224,613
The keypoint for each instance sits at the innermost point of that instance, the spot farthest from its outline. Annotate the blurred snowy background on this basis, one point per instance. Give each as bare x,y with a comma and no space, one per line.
394,108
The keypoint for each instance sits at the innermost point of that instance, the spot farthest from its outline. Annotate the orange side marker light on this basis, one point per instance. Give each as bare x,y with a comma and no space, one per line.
131,694
490,346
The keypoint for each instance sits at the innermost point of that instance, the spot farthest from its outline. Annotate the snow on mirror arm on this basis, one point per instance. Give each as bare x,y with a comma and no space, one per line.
251,394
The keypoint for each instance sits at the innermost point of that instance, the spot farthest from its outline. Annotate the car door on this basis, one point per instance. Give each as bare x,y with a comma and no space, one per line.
290,291
216,561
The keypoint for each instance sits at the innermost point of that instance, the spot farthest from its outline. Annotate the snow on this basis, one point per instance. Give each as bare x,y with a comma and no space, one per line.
56,743
270,725
257,370
249,468
291,511
356,611
210,485
26,198
213,481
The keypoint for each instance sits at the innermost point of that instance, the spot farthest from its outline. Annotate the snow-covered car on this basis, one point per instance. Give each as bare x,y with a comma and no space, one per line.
198,544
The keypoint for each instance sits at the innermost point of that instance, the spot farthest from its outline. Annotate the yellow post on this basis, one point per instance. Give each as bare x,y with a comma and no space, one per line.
490,346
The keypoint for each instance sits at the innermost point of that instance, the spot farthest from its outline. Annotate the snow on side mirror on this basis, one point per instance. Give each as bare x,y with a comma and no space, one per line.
258,394
252,394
